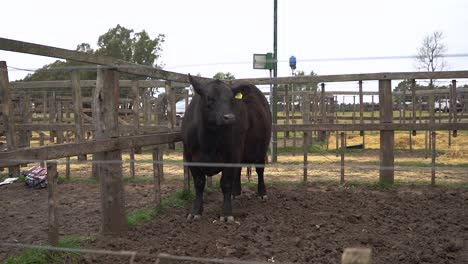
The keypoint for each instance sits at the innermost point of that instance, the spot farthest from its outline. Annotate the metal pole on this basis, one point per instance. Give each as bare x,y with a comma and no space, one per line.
275,74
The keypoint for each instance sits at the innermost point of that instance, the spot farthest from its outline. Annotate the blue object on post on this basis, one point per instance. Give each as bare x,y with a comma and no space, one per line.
292,62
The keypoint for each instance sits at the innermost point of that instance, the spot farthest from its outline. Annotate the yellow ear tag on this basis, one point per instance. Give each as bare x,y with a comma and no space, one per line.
238,96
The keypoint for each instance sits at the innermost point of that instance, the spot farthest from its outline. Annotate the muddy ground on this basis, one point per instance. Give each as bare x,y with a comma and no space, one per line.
303,224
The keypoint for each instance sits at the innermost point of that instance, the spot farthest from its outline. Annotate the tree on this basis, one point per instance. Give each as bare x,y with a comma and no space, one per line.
430,56
118,42
224,76
310,86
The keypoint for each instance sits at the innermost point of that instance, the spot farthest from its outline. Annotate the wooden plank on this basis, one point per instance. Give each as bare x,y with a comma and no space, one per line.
126,67
387,137
356,77
87,128
7,115
109,164
279,128
356,256
87,84
53,203
77,109
370,127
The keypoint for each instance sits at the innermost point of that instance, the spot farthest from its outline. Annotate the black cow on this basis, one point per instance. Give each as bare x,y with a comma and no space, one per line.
225,125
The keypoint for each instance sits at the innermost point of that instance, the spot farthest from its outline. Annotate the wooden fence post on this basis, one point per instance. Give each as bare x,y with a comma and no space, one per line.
77,109
67,164
387,137
343,148
132,163
161,164
8,116
322,134
25,135
337,143
109,164
157,177
52,116
136,110
433,136
171,108
453,105
52,180
305,148
413,102
361,112
287,105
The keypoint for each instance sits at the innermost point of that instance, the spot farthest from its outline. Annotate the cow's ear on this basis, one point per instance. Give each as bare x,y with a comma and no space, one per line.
197,86
240,91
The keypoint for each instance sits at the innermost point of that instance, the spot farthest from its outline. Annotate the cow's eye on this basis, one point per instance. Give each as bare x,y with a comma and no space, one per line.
210,100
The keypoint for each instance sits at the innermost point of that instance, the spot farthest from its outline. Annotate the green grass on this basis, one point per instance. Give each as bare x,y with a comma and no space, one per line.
37,256
179,199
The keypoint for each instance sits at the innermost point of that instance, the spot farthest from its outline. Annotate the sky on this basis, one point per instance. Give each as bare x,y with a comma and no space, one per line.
209,36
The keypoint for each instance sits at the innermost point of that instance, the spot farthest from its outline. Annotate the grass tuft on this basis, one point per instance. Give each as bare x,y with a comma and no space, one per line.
43,257
179,199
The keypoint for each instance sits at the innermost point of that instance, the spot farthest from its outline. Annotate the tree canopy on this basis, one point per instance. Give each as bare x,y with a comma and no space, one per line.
224,76
118,42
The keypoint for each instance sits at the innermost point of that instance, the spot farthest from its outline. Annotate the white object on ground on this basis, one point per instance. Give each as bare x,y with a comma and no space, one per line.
8,181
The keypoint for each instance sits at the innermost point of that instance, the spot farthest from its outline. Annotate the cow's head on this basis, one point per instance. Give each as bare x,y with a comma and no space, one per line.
216,101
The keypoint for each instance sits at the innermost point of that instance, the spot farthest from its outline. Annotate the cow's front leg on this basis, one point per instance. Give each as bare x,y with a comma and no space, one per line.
199,184
261,189
236,183
227,178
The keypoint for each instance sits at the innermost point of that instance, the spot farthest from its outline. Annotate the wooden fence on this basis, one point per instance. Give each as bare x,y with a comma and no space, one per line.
112,134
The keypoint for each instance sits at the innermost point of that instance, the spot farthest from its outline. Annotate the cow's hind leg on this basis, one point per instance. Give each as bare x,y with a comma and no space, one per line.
261,189
199,180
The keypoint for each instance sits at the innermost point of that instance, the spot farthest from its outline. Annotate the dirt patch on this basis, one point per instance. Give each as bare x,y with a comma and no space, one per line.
24,212
303,224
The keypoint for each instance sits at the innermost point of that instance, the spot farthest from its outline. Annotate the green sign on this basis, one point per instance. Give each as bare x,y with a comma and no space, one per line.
263,61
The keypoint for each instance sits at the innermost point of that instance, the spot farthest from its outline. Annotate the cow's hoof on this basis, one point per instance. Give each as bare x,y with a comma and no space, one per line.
262,198
227,219
191,218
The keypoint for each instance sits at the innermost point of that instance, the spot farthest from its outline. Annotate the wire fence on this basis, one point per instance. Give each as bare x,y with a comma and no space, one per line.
131,255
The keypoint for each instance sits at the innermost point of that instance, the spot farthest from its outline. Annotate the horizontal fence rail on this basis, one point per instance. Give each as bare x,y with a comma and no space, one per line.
75,149
117,64
356,77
